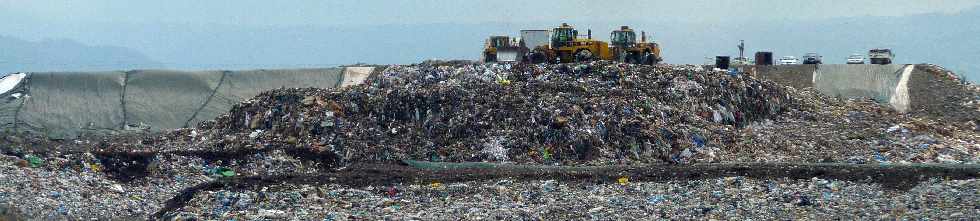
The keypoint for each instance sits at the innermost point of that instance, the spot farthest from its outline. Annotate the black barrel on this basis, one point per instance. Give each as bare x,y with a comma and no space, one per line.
763,58
722,62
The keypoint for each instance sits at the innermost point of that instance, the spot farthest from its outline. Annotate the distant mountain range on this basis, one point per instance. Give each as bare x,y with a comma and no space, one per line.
18,55
945,39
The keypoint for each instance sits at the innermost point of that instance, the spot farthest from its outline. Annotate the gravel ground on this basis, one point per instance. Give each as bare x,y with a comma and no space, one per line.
61,190
77,189
734,198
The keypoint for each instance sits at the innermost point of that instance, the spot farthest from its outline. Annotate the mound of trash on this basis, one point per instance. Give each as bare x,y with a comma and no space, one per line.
941,94
597,113
582,113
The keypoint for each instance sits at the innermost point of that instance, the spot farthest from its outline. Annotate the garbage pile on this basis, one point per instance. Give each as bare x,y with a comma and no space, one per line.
853,131
584,113
595,113
941,94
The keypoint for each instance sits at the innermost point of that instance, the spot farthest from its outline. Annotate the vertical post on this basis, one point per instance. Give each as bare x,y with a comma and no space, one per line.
741,48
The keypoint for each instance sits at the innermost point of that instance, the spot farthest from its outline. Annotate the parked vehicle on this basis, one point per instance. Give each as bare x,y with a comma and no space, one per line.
789,60
812,58
881,56
855,59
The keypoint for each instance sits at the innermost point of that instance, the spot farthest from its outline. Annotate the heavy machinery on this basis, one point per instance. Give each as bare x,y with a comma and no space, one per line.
567,46
535,38
881,56
503,49
625,48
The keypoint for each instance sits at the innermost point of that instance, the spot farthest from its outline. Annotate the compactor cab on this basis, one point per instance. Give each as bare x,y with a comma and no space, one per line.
625,48
624,37
563,36
499,41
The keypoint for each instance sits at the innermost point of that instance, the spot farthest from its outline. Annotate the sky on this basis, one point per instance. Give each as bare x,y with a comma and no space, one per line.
87,35
379,12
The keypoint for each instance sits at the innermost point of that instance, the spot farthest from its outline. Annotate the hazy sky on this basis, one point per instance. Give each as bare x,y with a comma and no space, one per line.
373,12
246,34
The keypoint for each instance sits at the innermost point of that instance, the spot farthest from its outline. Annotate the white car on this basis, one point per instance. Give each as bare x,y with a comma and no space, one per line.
855,59
789,60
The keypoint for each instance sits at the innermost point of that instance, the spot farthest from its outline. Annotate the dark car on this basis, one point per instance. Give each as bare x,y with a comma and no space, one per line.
812,58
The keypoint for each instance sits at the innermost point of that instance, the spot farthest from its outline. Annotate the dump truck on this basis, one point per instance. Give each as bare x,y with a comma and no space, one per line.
567,46
881,56
625,48
503,49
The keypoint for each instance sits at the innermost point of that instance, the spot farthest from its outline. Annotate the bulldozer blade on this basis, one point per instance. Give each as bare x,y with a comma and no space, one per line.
509,55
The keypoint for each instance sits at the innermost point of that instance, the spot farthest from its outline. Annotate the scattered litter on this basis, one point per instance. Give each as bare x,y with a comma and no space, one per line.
655,199
624,180
436,185
226,172
35,161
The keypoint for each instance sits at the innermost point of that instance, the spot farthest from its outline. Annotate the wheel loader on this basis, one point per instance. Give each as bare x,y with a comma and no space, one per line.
567,46
626,49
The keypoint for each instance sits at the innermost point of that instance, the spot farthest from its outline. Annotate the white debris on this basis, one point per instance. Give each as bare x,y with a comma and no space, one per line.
11,81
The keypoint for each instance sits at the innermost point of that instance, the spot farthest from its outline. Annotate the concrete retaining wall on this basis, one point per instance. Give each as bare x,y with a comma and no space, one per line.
883,83
66,104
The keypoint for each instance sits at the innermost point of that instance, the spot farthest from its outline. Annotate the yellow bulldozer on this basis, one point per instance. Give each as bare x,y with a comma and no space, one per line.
625,48
567,46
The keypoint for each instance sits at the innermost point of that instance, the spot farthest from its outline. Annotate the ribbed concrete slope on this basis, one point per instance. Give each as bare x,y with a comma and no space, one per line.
67,104
883,83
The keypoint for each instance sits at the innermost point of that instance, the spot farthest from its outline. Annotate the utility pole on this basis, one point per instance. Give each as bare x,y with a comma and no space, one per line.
741,49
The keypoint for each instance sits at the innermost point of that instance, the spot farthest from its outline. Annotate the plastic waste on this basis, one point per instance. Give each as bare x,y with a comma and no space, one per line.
623,180
225,172
35,161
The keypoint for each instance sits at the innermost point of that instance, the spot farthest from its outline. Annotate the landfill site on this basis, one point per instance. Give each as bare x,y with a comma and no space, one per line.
551,132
